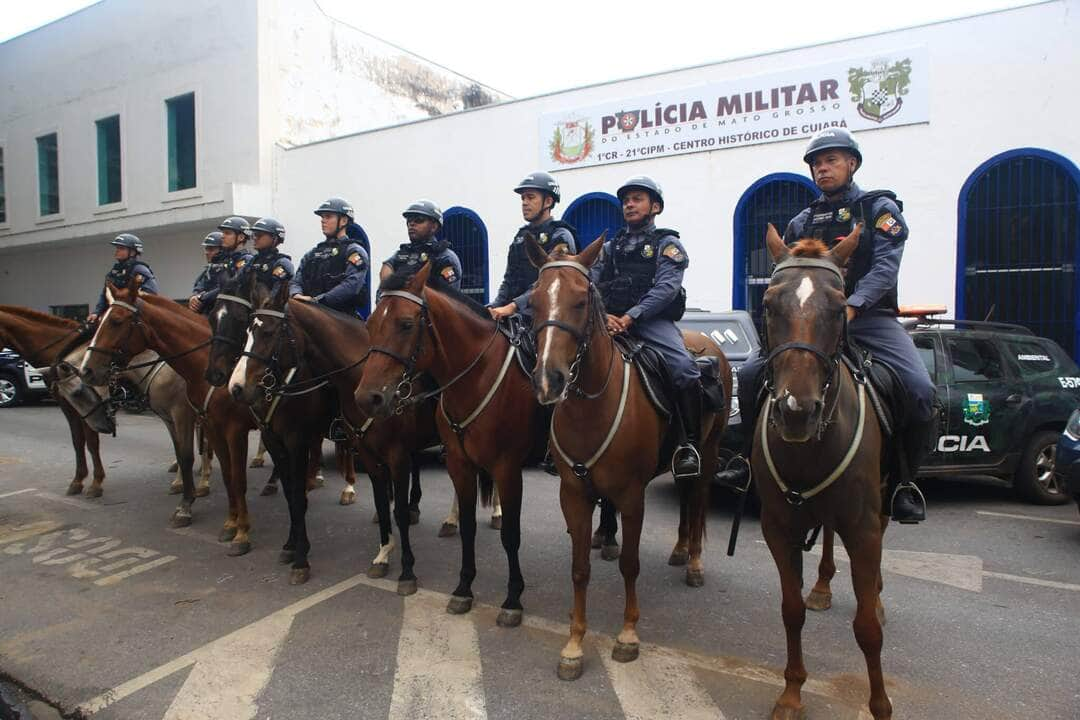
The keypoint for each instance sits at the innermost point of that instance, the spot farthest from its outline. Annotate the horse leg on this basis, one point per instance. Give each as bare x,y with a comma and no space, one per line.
294,484
377,472
464,475
260,456
787,554
181,437
401,476
577,512
698,508
221,449
627,642
450,524
680,554
348,470
314,476
604,537
496,510
820,597
415,492
78,443
509,486
93,444
206,453
865,553
880,608
241,544
271,486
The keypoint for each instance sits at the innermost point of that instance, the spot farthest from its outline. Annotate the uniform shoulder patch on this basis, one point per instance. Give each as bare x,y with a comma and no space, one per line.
888,224
672,252
561,248
241,263
448,274
278,272
356,259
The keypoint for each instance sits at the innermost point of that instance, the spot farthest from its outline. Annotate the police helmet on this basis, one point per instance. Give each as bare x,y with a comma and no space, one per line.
540,181
642,182
129,241
237,224
425,208
830,138
337,205
213,239
270,226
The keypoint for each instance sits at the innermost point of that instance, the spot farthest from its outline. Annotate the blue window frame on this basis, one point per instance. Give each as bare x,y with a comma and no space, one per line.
48,175
592,214
180,112
108,160
468,237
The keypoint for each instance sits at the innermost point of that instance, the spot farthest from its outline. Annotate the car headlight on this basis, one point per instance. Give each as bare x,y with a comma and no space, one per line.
1072,428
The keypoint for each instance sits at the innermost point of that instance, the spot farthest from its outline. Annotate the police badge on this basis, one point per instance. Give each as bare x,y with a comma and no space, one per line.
543,238
843,214
647,251
423,257
333,251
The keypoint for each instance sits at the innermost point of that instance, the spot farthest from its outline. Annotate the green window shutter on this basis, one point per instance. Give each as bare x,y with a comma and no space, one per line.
181,141
108,159
48,175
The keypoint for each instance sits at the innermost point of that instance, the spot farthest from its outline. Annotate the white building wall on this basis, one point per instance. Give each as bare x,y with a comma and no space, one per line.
998,81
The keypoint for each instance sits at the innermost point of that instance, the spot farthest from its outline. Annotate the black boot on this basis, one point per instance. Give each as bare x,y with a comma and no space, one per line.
686,462
906,502
748,388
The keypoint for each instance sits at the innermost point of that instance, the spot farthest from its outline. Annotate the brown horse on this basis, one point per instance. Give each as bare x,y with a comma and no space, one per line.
42,339
135,322
817,451
606,436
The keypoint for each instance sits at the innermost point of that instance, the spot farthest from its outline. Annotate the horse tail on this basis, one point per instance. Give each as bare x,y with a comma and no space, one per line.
487,488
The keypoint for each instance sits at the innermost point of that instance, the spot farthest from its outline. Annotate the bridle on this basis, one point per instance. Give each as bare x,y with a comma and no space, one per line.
274,373
225,339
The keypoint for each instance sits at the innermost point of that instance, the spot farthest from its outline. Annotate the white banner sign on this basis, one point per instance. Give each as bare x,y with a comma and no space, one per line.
861,94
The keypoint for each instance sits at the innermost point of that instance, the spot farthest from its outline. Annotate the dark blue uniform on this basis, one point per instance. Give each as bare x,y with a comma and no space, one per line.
334,272
222,268
444,261
271,268
520,274
640,274
120,276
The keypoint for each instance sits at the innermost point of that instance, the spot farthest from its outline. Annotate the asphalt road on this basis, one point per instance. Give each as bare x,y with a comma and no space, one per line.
104,610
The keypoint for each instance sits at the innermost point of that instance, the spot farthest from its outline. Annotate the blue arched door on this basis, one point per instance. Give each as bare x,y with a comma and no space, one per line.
775,199
592,214
469,239
1017,239
358,234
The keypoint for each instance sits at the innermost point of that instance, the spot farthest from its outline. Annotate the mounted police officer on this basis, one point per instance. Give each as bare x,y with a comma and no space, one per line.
128,264
870,280
271,266
334,272
423,219
640,275
230,259
539,195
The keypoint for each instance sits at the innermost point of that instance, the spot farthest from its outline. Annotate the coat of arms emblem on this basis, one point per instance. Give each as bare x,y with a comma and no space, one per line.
571,142
879,90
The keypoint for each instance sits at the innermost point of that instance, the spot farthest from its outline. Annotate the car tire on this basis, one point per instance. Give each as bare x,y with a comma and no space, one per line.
11,392
1035,480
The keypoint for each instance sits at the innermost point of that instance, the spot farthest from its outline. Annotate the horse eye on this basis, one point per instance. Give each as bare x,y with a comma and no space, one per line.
406,325
580,305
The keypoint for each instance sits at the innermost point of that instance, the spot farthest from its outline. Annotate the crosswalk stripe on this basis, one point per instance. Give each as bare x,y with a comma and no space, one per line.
655,684
438,664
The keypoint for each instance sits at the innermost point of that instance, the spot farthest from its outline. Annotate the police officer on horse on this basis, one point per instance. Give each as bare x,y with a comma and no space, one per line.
640,275
128,265
423,220
539,195
870,280
224,265
271,266
334,272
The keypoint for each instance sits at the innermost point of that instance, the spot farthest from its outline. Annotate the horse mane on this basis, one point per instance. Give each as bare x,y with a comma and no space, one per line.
336,314
400,278
38,316
810,248
164,302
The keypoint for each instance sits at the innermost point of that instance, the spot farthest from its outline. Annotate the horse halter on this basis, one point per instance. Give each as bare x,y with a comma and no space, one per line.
409,373
830,362
272,362
122,352
225,339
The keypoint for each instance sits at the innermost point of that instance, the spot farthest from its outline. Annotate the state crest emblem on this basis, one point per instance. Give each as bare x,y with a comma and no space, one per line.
878,90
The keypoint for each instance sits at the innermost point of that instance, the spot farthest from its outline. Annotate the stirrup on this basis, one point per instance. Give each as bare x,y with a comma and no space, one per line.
696,457
736,469
919,501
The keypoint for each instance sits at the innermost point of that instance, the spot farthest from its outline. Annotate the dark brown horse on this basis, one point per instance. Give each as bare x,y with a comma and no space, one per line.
135,322
488,419
606,436
42,339
817,451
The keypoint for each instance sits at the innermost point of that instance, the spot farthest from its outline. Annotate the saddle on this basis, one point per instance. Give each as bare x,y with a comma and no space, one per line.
886,392
656,378
518,332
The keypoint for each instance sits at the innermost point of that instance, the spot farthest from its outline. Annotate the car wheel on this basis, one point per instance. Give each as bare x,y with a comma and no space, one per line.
1035,479
11,393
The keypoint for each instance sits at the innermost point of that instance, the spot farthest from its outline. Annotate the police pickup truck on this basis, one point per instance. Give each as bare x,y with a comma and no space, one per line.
19,381
1006,395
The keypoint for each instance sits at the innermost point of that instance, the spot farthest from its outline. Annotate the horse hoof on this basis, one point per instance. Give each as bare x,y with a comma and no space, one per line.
202,491
286,557
179,521
299,576
347,498
74,489
695,578
239,548
819,601
459,605
609,552
174,467
496,522
597,540
256,463
782,712
378,570
226,534
176,488
570,668
678,558
406,587
94,491
414,517
624,652
448,530
509,618
268,490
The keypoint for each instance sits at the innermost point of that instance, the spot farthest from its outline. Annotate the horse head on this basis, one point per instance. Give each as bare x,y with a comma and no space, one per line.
567,310
91,403
402,346
805,320
120,335
229,320
268,354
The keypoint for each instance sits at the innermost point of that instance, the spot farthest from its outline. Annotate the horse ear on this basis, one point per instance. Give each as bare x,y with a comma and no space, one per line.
537,255
591,254
777,249
843,249
252,279
110,292
281,296
418,281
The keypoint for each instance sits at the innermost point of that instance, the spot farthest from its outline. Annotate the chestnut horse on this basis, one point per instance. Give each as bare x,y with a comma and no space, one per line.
818,450
42,340
135,322
607,437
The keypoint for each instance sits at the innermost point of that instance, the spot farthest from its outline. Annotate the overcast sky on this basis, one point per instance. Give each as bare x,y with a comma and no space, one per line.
529,48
